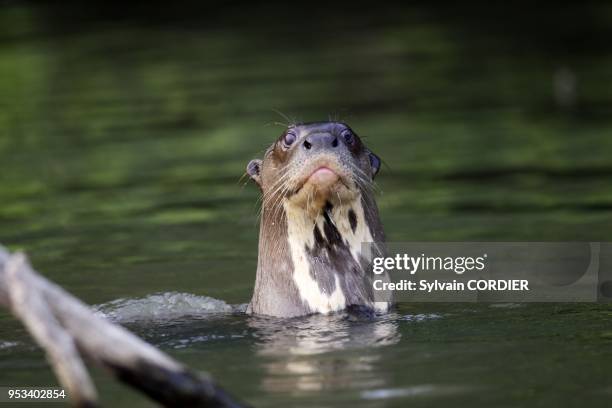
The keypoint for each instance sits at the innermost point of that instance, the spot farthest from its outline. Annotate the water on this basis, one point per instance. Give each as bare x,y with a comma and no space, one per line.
164,306
123,137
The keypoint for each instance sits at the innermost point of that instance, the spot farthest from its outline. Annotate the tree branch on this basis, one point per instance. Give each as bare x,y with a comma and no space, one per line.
67,329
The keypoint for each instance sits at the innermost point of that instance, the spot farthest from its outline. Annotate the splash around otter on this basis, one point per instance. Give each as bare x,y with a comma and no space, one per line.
318,207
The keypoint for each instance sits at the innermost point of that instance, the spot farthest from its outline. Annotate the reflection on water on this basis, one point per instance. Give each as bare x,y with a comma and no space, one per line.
8,344
298,356
319,333
429,390
301,348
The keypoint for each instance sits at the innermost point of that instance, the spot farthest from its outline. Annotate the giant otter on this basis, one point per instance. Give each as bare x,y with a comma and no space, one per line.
318,208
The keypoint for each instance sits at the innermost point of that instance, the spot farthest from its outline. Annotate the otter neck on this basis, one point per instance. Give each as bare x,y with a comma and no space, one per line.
310,264
325,251
332,228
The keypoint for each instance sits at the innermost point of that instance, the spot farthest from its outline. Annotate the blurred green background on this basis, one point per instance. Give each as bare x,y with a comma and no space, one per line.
125,129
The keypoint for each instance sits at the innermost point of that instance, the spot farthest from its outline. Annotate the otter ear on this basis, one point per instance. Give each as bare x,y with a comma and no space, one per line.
253,170
374,163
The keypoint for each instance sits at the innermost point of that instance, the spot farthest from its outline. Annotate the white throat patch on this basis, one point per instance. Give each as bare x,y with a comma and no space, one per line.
300,231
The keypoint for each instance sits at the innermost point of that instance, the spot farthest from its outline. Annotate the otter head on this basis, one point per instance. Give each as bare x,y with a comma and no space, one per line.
318,208
313,165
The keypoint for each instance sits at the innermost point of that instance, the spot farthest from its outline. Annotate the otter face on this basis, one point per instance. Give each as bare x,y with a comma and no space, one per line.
313,164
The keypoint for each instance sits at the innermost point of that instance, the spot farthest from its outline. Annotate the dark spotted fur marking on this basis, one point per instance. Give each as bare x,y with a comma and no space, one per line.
352,217
332,235
331,232
319,240
327,250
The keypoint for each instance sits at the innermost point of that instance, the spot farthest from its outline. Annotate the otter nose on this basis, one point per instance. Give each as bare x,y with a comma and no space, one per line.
320,141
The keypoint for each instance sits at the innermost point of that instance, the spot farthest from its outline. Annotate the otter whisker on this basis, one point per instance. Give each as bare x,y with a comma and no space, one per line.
276,200
361,171
274,188
270,197
280,204
289,120
244,179
275,203
272,200
276,123
280,180
364,180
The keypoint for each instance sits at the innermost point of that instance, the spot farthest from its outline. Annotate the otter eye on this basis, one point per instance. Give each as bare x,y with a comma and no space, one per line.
348,136
289,138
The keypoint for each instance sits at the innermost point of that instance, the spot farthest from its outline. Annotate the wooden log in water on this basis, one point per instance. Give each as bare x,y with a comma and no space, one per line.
67,330
32,310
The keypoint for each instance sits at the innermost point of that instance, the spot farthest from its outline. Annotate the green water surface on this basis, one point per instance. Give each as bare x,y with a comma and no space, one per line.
124,134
